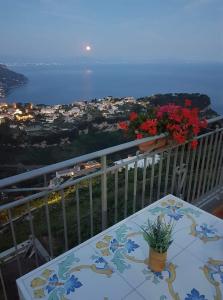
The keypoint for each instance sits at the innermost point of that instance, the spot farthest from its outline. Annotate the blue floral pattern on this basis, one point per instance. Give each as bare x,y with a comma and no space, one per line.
118,247
130,246
71,284
57,284
174,210
195,295
205,230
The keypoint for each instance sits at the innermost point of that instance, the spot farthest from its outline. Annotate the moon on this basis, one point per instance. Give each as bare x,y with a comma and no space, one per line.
88,48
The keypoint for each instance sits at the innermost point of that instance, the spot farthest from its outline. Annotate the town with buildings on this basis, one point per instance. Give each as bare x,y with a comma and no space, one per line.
75,119
34,125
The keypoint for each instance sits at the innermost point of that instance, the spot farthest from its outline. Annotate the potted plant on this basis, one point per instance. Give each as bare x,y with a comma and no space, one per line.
158,235
179,123
144,125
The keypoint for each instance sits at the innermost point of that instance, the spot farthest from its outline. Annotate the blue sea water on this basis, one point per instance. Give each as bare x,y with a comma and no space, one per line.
53,84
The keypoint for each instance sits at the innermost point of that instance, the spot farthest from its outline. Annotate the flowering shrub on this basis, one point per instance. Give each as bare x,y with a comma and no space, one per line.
182,123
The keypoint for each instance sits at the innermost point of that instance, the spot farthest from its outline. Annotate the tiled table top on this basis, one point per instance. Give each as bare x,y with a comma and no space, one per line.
112,265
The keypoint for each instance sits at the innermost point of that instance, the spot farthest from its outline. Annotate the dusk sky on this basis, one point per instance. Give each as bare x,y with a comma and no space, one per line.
118,30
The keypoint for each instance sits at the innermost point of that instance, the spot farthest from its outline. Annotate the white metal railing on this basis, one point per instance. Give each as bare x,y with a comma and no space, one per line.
76,209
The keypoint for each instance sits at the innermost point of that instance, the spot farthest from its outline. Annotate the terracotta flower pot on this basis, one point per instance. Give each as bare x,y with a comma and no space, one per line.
152,145
157,261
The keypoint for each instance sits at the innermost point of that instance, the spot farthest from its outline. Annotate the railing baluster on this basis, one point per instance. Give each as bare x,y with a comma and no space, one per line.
126,190
211,137
201,173
78,215
116,196
159,175
135,186
186,170
217,159
152,179
91,208
14,242
191,175
220,164
3,284
48,221
167,171
104,204
32,233
196,171
64,219
144,181
221,178
212,162
174,169
180,176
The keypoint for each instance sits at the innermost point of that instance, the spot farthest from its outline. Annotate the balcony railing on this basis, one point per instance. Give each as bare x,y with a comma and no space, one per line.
43,216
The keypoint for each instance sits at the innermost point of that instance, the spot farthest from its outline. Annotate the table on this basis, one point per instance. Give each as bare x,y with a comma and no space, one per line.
112,265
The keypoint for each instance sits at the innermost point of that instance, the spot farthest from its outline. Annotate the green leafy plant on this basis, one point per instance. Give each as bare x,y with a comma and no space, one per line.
159,235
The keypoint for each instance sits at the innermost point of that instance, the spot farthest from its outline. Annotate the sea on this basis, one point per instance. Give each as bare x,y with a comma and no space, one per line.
63,84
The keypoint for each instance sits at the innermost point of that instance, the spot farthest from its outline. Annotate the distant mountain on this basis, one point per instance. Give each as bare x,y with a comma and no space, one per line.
9,79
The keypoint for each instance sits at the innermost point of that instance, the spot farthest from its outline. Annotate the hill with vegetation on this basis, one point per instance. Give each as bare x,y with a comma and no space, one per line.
9,79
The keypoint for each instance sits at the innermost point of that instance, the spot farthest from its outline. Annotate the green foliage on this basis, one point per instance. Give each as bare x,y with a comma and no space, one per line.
158,235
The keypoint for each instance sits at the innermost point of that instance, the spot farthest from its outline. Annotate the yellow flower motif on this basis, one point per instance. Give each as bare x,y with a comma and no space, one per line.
107,238
39,293
105,252
46,273
101,244
171,202
36,282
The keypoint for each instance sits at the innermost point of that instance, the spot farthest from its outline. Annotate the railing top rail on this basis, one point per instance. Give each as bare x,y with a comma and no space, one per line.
64,164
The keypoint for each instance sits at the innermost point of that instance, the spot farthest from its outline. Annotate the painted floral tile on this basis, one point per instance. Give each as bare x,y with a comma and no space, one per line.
79,275
127,251
210,242
185,217
184,280
213,272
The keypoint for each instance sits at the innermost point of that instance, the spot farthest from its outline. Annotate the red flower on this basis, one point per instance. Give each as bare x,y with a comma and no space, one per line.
169,108
203,123
148,124
123,125
152,130
195,129
179,138
187,102
139,136
194,144
133,116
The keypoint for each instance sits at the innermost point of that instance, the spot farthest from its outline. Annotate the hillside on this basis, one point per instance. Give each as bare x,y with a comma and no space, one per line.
198,100
9,79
